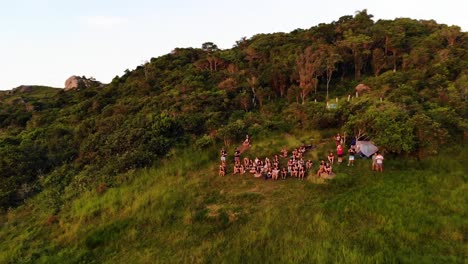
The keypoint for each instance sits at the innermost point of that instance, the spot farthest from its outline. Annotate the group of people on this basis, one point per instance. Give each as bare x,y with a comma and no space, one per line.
267,168
377,158
296,166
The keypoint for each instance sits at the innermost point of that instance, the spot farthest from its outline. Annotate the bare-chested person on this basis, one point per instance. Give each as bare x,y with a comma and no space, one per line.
258,172
284,173
276,158
241,169
236,168
246,162
301,172
331,158
328,168
275,164
284,152
301,162
295,171
309,164
321,168
222,170
290,164
302,149
275,173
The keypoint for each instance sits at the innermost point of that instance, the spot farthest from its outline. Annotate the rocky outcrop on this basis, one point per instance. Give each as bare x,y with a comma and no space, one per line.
77,82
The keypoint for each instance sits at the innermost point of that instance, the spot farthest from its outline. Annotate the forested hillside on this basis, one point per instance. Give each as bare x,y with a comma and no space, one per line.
57,145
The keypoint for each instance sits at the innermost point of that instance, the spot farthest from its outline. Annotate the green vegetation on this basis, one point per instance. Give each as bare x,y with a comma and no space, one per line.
181,211
127,172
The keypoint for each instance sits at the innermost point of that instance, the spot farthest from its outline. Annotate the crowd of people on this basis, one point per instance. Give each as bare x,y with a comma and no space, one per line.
270,168
295,166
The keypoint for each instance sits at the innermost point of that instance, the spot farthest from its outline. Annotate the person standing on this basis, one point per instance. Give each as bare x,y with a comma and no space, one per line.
339,153
379,161
338,139
351,153
223,157
237,156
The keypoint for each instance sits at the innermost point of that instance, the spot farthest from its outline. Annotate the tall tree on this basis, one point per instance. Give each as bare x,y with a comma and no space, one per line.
309,65
332,57
359,47
378,60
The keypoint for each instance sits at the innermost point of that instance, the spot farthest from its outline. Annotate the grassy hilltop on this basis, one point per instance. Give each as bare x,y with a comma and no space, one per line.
181,211
127,172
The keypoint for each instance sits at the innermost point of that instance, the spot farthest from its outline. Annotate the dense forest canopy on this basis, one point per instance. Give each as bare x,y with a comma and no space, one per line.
416,72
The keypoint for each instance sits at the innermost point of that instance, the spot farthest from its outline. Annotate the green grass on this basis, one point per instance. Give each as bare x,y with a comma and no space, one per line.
181,211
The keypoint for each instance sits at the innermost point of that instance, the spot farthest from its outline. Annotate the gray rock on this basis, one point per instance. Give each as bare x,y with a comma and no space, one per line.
77,82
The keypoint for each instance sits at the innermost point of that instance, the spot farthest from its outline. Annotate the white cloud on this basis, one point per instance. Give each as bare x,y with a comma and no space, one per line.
103,22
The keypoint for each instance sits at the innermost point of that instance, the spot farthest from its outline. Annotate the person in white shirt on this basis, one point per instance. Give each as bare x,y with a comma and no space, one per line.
379,161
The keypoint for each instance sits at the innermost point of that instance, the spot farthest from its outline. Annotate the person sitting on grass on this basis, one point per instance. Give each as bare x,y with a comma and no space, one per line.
284,173
309,164
252,169
242,169
246,162
331,158
295,171
301,172
222,170
328,168
236,168
275,173
275,164
301,162
284,153
268,174
302,149
321,169
258,172
276,158
295,154
290,165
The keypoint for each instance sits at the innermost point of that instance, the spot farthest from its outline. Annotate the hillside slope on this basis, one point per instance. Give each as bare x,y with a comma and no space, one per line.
128,171
181,211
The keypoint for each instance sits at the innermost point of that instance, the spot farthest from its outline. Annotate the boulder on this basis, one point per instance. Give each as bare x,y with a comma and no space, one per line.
76,82
72,83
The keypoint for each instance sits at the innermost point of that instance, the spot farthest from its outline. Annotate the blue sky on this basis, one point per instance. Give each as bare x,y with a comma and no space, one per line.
46,41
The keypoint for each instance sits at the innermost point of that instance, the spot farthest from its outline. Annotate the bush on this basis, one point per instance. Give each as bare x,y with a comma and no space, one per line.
204,142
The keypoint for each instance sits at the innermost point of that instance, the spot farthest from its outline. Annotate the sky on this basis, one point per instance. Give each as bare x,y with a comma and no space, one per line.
43,42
